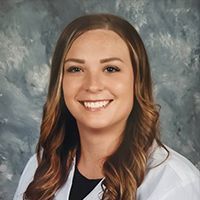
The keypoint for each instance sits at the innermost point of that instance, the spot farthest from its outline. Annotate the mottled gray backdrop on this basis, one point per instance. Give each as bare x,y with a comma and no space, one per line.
28,32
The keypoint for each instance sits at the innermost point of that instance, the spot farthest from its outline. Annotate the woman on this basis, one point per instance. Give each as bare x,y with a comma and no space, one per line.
99,134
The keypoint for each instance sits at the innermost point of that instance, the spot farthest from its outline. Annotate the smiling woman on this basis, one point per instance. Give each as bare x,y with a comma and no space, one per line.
99,134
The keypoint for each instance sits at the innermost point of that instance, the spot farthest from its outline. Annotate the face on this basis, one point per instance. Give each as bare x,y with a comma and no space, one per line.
98,80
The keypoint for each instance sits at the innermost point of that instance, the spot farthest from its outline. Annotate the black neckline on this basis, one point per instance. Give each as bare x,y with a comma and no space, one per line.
81,186
85,178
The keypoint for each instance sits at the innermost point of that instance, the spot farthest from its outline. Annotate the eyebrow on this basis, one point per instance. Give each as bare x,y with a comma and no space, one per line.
81,61
110,59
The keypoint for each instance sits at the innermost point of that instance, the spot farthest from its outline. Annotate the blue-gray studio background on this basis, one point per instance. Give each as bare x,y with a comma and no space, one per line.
28,33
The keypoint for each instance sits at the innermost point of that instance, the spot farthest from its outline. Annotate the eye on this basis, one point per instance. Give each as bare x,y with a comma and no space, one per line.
74,69
112,69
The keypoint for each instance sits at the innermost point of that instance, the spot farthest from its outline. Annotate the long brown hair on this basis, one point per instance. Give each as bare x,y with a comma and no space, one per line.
124,170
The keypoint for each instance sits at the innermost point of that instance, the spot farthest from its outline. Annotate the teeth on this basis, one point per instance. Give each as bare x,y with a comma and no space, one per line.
95,104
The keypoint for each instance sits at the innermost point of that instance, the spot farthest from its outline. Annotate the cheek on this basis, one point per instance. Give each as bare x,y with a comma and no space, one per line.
69,89
126,92
125,86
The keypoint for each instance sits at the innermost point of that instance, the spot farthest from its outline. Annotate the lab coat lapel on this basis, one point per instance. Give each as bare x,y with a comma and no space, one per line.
96,193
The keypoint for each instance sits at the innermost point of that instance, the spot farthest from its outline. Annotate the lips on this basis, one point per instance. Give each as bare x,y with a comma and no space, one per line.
94,105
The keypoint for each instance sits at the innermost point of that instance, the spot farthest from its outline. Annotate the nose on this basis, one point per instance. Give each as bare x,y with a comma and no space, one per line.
93,82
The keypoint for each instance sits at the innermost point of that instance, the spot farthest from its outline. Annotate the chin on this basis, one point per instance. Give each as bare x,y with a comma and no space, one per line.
96,125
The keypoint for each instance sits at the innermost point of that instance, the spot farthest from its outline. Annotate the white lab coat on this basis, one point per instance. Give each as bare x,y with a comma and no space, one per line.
175,179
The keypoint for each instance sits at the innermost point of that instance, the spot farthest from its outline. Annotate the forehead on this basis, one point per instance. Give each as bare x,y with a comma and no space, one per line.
98,40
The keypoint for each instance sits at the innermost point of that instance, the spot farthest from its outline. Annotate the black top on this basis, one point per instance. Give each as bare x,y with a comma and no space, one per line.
81,186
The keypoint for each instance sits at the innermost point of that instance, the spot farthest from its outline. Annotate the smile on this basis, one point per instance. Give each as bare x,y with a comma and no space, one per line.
95,105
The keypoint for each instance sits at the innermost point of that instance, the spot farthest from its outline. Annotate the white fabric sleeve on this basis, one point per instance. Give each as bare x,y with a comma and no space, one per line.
26,177
189,191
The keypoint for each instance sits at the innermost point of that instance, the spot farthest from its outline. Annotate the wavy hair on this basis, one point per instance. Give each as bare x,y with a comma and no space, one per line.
124,170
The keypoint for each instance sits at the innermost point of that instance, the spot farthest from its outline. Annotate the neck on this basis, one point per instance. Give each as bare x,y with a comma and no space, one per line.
96,146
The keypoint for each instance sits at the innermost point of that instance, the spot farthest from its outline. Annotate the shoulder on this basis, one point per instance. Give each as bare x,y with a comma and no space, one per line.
26,177
176,164
172,178
182,167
